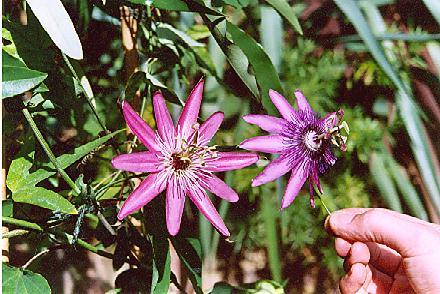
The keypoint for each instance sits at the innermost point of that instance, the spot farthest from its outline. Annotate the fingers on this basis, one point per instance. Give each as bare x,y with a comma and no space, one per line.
354,279
380,226
358,253
384,258
342,247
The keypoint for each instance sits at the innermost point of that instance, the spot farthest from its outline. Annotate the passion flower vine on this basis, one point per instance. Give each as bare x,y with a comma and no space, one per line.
179,161
302,139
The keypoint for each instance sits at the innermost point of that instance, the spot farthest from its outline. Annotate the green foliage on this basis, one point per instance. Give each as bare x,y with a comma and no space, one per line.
16,280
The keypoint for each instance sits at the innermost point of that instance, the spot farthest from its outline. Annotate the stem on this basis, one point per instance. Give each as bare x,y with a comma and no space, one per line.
48,151
14,233
322,201
21,223
41,254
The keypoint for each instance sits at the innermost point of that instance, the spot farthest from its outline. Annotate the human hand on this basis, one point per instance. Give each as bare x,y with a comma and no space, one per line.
385,251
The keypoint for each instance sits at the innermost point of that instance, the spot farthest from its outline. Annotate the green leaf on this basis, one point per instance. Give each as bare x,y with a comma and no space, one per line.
16,280
434,8
42,197
384,182
283,8
407,190
17,77
134,83
352,10
161,265
190,251
56,22
265,72
20,166
179,5
65,160
169,94
7,207
169,32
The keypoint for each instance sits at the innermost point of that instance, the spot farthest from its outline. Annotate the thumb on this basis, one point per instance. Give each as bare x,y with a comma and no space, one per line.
409,238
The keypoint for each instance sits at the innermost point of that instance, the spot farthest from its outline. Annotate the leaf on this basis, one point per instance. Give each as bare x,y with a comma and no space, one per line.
42,197
7,207
434,8
179,5
384,182
57,23
169,94
265,72
20,166
64,160
405,187
169,32
16,280
271,33
17,77
283,8
161,265
134,83
190,252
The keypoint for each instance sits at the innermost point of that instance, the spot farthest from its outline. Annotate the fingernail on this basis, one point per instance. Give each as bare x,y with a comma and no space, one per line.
340,219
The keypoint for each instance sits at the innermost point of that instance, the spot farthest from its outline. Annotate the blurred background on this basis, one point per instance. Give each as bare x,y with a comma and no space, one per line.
377,60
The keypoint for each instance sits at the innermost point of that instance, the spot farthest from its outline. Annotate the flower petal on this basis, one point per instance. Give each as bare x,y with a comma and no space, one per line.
138,162
216,186
283,106
301,100
210,127
165,126
267,144
139,127
277,168
147,190
296,181
175,202
268,123
204,204
190,111
231,160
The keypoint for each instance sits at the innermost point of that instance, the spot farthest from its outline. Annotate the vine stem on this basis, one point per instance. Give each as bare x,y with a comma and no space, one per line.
322,201
41,254
48,151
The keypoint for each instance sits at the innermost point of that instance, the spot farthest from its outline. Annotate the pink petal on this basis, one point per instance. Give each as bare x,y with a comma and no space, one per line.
231,160
277,168
268,123
283,106
204,204
139,127
190,112
138,162
175,202
267,144
296,181
301,100
210,127
147,190
216,186
164,123
314,177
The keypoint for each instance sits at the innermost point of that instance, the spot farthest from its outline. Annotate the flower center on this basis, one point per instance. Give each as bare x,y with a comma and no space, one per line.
180,161
311,140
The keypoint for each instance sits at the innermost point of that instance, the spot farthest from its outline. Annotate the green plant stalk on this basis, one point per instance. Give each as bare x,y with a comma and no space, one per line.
270,218
48,151
21,223
86,94
15,233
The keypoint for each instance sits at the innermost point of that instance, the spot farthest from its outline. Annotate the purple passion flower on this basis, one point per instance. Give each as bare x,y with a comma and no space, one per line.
179,161
302,139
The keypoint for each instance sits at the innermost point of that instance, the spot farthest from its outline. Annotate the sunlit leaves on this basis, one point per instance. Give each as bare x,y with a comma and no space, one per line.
17,77
44,198
16,280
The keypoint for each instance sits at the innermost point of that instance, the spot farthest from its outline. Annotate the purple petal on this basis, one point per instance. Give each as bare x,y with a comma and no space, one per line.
220,188
164,123
312,197
268,123
273,170
296,181
147,190
204,204
138,162
139,127
210,127
267,144
190,112
301,100
231,160
283,106
314,177
175,202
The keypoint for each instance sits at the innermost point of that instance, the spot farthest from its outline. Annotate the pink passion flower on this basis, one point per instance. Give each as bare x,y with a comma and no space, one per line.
179,161
303,141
